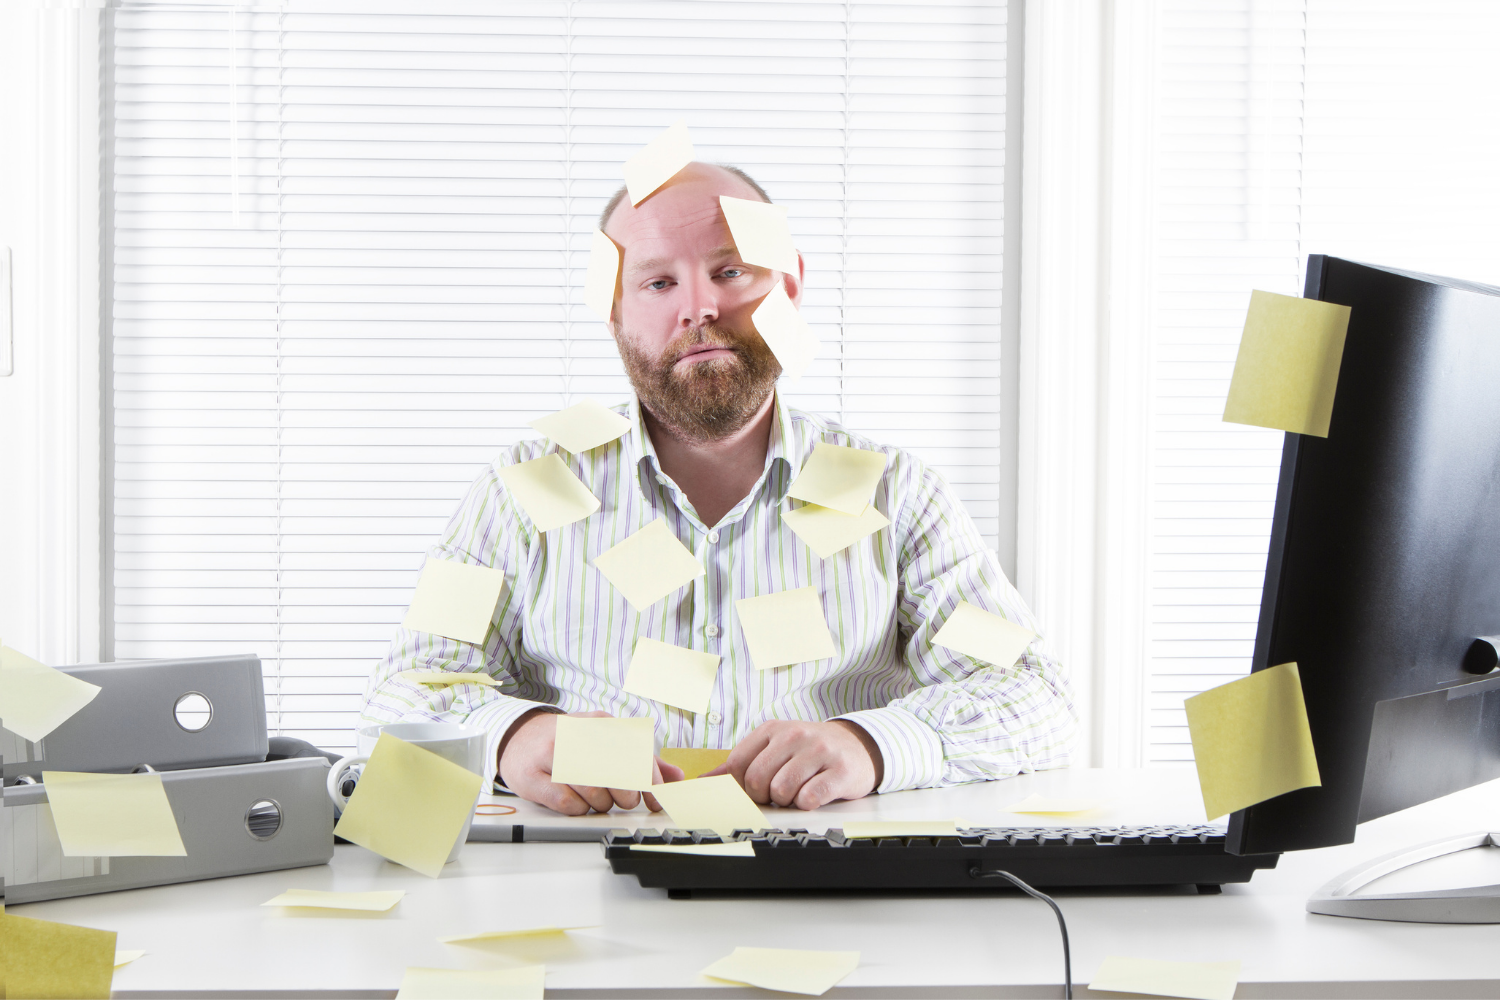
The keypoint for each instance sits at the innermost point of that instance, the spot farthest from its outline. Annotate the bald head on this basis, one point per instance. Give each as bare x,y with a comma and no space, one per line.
758,193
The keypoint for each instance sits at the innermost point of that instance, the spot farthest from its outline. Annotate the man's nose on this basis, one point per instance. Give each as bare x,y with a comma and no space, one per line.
700,302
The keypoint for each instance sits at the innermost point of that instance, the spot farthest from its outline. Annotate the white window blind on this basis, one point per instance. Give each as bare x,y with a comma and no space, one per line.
1362,130
349,249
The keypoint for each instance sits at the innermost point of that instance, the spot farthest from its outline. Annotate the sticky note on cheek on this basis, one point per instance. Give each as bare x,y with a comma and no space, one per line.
761,233
983,635
602,278
604,753
785,332
1287,368
455,599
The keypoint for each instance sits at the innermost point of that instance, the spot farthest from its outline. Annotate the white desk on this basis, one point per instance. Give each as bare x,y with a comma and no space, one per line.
213,939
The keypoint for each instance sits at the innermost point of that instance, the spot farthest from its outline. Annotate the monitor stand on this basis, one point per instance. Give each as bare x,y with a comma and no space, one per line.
1476,905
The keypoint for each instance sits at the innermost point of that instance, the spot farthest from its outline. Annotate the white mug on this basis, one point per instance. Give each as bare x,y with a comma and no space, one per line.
462,745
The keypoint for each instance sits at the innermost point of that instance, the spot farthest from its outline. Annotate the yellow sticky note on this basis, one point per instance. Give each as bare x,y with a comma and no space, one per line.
693,760
501,935
455,599
446,678
785,628
761,233
839,477
785,332
828,532
983,635
524,983
604,753
718,804
46,959
126,957
377,901
734,849
601,279
1034,803
683,678
901,828
583,426
1199,980
1251,740
35,699
410,805
657,162
548,491
112,815
649,565
1287,368
789,970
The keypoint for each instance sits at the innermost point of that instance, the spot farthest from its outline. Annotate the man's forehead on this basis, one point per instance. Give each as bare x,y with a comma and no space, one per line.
682,218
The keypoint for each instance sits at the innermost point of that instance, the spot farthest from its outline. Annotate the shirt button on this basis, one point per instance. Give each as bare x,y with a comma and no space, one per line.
661,479
711,630
714,718
713,537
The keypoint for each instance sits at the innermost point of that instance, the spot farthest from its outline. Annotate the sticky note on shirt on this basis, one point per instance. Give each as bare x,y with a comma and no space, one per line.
658,162
789,970
761,233
682,678
112,815
604,753
602,278
1199,980
47,959
455,599
983,635
649,565
1034,803
828,532
377,901
1288,364
735,849
1251,740
839,477
718,804
548,491
35,699
524,983
901,828
693,760
785,332
410,805
583,426
785,628
446,678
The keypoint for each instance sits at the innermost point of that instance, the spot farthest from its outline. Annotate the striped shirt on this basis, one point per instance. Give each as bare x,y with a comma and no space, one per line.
562,635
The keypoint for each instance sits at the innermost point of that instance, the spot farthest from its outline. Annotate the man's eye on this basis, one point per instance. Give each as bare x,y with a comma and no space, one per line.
658,284
732,272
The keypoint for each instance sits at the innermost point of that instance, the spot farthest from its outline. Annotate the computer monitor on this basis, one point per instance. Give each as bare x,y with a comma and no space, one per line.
1383,574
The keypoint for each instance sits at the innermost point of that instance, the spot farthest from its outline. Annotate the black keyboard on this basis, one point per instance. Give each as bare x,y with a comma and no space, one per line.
1043,856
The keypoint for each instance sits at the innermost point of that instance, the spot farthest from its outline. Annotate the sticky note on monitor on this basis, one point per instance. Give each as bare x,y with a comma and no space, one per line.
658,162
785,332
1288,364
828,532
583,426
548,491
410,805
112,815
693,760
376,901
524,983
455,599
790,970
785,628
35,699
47,959
717,803
649,565
604,753
682,678
602,279
1251,740
761,233
1198,980
839,477
983,635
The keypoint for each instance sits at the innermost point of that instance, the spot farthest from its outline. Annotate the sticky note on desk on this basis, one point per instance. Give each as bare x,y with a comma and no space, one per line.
548,491
1198,980
583,426
649,565
47,959
1251,740
785,332
718,804
502,935
410,805
455,599
672,675
828,532
600,282
377,901
524,983
693,760
127,956
658,162
789,970
447,678
112,815
1287,368
733,849
983,635
839,477
785,628
35,699
604,753
761,233
901,828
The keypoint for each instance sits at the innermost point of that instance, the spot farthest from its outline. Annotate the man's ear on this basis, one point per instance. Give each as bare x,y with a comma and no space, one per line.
793,282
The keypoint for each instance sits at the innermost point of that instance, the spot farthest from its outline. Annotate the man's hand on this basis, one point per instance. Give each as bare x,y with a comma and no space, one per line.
805,764
526,769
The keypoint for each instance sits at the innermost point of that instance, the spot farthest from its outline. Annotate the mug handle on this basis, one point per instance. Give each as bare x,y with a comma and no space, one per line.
336,778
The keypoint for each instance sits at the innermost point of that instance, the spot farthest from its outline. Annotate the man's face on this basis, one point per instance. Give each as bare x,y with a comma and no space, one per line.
683,320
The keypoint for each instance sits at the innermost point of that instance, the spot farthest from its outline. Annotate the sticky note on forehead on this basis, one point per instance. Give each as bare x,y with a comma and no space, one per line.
602,278
649,565
839,477
785,332
35,699
1287,368
657,162
785,628
828,532
548,491
604,753
583,426
683,678
761,233
717,803
112,815
455,599
983,635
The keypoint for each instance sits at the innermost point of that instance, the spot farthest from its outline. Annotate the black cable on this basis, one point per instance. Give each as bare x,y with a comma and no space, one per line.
1062,924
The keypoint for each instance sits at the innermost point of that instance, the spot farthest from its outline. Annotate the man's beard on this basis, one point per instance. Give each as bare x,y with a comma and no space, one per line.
706,400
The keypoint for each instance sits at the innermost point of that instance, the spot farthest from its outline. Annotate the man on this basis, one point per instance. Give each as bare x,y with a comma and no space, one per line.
712,450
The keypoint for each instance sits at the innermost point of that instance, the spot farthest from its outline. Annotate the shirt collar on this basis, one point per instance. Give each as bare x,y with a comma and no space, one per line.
782,448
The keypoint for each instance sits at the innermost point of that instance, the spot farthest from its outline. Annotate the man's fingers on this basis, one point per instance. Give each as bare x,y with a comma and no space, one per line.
763,770
744,753
651,802
788,782
625,798
558,798
664,772
821,789
598,799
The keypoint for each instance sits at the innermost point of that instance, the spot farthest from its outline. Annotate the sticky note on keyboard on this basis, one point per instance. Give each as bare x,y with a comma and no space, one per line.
718,804
583,426
377,901
785,332
1034,803
548,491
600,282
47,959
828,532
790,970
524,983
983,635
35,699
901,828
649,565
1197,980
112,815
455,599
410,805
761,233
604,753
1287,369
693,760
785,628
683,678
839,477
1251,740
733,849
658,162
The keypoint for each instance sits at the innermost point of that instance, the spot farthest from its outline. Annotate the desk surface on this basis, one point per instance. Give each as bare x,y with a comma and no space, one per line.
214,939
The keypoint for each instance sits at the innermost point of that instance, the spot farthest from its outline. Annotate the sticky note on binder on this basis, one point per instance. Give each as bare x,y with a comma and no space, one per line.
1288,364
785,332
548,491
1197,980
35,699
718,804
983,635
48,959
604,753
761,233
785,628
828,532
672,675
112,815
790,970
455,599
583,426
649,565
657,162
602,278
1251,740
839,477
